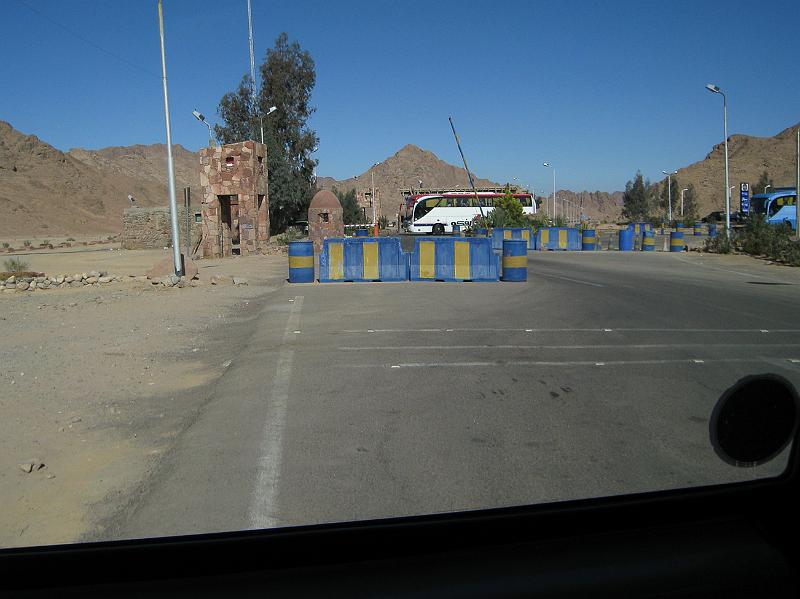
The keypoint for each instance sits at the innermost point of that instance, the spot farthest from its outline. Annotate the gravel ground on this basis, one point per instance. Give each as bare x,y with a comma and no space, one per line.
98,382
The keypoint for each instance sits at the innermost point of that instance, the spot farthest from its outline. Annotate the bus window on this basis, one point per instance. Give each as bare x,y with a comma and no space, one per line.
525,200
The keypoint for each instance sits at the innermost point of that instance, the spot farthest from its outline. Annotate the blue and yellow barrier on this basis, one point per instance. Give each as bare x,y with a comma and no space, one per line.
626,239
361,233
501,234
639,228
712,230
362,259
301,262
676,241
648,241
698,228
449,259
558,238
457,230
480,232
588,240
515,260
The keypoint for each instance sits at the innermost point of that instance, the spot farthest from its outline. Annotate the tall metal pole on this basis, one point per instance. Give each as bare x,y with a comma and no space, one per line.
374,221
464,160
797,191
187,202
173,208
727,183
554,193
253,67
669,195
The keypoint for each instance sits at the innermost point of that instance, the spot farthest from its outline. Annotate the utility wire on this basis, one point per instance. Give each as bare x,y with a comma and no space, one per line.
87,41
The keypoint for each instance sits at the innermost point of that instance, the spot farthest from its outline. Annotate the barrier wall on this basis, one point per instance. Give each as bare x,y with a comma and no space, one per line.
501,234
588,240
626,240
361,233
648,241
301,262
639,228
362,259
712,230
558,238
698,228
676,241
515,260
453,259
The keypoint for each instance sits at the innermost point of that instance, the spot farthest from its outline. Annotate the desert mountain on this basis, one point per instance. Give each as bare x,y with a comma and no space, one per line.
748,157
406,168
412,164
44,191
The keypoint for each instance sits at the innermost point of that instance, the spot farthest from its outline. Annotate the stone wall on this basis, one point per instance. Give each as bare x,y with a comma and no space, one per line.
149,228
364,200
234,174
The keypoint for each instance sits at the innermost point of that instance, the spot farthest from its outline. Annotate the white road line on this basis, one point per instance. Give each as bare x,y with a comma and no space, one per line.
541,274
263,503
612,346
495,363
603,330
736,272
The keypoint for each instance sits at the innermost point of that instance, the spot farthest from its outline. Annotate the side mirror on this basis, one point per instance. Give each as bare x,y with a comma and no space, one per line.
755,420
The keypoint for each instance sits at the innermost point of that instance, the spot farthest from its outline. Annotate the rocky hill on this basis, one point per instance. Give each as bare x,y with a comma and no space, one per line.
44,191
748,157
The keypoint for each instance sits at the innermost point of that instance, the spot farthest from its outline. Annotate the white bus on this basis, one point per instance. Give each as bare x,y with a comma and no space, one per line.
436,213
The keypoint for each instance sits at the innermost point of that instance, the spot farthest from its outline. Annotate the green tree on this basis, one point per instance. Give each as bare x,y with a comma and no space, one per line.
635,199
508,209
763,181
351,211
288,78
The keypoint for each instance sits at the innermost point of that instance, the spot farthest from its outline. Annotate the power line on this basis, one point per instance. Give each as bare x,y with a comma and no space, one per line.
87,41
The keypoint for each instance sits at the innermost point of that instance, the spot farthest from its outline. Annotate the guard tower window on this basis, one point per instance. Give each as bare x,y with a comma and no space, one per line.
323,217
229,161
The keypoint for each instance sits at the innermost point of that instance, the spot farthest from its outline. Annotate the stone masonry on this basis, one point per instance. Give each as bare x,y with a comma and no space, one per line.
235,203
364,200
325,218
149,228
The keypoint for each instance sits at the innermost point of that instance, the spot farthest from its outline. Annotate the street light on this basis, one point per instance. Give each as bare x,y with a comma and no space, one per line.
765,188
374,221
547,164
669,192
202,119
684,190
714,89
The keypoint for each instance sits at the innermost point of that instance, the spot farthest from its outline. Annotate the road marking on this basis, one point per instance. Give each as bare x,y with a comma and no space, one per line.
703,265
495,363
590,346
263,503
541,274
604,330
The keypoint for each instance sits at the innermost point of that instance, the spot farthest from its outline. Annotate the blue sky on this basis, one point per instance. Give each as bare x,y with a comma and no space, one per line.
598,90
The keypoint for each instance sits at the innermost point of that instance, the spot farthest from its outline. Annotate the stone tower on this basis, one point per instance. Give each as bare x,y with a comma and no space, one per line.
235,210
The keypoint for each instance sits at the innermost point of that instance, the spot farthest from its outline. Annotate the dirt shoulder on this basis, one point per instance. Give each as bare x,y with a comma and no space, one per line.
98,382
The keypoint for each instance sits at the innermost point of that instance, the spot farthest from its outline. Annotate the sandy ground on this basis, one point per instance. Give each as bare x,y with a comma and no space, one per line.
98,382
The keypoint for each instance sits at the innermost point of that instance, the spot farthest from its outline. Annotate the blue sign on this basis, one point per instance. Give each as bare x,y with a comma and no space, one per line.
744,198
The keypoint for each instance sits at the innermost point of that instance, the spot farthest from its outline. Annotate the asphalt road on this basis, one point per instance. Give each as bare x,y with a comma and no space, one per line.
353,401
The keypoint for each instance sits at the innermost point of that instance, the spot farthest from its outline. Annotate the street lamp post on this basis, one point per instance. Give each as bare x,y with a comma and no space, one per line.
547,164
374,221
684,190
669,192
173,207
202,119
766,187
714,89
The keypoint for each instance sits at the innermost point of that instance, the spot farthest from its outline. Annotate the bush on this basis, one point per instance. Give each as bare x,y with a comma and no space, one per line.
383,222
6,244
291,234
27,243
46,242
538,220
560,221
15,265
70,239
719,244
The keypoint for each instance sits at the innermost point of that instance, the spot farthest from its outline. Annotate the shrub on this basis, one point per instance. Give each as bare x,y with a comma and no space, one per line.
383,222
6,244
27,243
719,244
70,239
46,242
15,265
560,221
291,234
